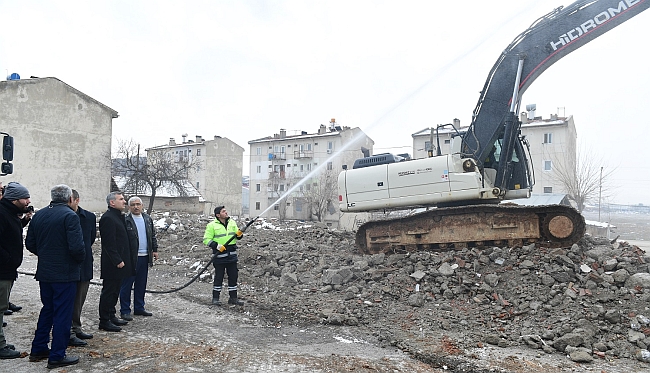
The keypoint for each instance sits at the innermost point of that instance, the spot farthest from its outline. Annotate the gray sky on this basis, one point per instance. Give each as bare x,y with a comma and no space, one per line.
245,69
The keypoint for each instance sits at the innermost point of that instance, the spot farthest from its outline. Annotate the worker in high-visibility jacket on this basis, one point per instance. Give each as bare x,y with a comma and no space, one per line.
217,233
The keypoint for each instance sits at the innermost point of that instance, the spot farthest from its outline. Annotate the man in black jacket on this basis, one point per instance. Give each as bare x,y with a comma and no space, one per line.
116,261
54,235
89,230
143,238
13,204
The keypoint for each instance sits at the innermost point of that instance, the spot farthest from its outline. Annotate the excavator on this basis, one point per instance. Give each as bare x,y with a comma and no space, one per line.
489,162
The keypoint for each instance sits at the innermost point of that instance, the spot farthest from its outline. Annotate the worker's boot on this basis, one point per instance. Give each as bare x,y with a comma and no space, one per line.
235,301
233,298
215,298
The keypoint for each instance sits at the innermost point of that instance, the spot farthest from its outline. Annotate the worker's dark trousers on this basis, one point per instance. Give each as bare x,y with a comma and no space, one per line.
56,315
219,270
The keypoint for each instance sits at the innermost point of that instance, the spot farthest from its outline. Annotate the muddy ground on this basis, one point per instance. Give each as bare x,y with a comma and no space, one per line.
314,303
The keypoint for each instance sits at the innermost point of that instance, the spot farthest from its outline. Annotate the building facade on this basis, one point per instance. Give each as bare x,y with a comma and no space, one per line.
295,176
61,136
553,149
218,171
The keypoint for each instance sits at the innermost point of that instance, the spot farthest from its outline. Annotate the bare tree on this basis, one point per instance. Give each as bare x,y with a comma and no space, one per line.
320,194
587,179
159,169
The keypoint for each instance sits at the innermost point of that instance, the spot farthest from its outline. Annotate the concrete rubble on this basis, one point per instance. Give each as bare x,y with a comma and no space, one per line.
587,302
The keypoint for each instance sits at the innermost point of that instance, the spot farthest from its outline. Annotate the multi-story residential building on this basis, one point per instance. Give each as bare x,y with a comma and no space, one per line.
429,139
61,136
218,172
552,147
291,174
553,150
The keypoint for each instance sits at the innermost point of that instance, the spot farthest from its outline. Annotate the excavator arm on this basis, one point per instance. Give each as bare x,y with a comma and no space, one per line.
546,41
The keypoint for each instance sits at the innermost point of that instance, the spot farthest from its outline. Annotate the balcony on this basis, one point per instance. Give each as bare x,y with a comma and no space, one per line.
277,156
277,175
298,154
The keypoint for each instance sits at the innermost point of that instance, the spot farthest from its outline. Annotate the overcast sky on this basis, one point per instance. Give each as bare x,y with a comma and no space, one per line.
245,69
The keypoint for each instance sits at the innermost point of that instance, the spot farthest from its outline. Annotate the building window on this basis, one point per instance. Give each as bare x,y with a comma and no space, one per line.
197,185
548,189
308,166
548,138
276,207
257,205
329,165
427,146
447,141
308,146
548,166
302,168
330,145
259,169
258,150
282,149
198,152
258,187
281,187
298,205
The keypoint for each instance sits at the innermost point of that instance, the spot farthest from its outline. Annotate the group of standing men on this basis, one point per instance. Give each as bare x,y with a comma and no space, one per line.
61,235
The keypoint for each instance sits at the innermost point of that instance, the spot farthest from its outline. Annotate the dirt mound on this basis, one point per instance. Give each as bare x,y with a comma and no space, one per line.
590,301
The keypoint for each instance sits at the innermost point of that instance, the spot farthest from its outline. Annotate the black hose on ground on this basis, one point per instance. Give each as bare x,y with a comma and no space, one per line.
179,288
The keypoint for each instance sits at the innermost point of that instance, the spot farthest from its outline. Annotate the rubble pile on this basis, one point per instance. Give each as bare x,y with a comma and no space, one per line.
588,302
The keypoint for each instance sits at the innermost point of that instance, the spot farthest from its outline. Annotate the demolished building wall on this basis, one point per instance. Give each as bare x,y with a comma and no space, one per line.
61,136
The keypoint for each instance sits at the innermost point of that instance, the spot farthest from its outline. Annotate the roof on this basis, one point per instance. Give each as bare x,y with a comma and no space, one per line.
301,136
76,91
444,130
167,190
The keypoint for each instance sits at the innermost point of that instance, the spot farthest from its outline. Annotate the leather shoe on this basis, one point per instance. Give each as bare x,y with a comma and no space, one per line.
68,360
74,341
82,335
14,308
118,322
34,357
127,317
143,313
8,353
8,312
109,327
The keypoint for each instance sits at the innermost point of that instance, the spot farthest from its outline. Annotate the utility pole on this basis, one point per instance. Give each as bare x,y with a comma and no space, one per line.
600,191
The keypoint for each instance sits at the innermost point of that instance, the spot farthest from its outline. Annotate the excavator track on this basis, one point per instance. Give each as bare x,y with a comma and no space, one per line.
448,228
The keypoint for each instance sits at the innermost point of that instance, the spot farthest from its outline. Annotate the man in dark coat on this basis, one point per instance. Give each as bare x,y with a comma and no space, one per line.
143,238
13,204
89,230
116,261
54,235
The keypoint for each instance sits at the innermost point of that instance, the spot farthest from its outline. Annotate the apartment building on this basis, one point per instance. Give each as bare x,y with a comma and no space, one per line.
552,147
218,172
294,175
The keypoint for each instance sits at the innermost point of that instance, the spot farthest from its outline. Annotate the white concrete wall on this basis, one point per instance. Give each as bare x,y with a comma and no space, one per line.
61,135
